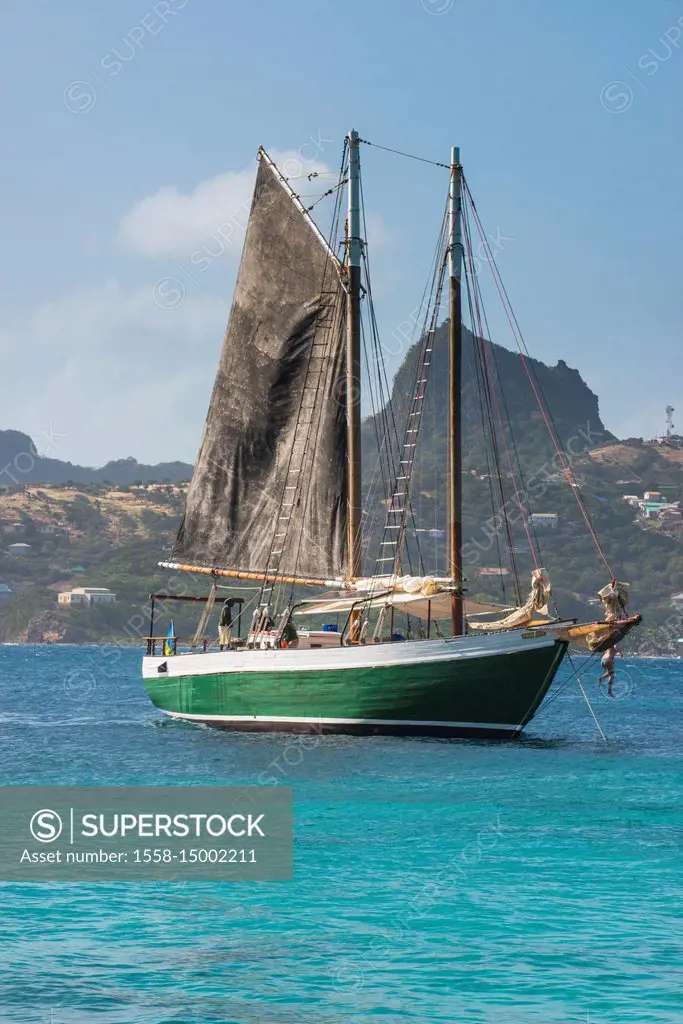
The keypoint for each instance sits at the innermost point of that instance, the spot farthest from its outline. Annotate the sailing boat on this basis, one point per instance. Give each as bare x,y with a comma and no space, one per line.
276,502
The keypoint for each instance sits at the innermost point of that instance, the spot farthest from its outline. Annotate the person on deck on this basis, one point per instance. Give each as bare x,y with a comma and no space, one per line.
608,665
225,624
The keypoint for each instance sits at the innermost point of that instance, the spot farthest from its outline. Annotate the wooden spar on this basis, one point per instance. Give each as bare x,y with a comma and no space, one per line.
455,390
353,358
371,582
187,597
248,574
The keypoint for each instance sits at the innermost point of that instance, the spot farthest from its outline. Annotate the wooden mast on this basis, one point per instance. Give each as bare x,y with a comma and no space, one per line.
455,390
353,357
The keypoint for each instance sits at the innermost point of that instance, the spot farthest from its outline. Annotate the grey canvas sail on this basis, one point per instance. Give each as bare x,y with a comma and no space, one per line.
269,486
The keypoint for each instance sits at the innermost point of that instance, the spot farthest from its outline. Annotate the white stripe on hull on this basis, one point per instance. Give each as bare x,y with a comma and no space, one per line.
294,720
389,655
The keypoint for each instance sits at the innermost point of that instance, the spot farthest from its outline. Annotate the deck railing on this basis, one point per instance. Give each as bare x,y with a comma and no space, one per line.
184,641
192,645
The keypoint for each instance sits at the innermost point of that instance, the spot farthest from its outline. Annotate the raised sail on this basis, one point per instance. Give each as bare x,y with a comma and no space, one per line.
269,490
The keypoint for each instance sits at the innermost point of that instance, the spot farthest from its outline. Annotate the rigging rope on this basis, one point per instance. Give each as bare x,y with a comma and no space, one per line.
383,461
486,420
535,546
521,490
395,448
585,697
560,689
486,349
574,677
329,192
411,156
487,392
394,534
521,347
384,423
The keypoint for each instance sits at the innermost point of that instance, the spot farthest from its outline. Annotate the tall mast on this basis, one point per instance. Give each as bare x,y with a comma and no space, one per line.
353,352
455,389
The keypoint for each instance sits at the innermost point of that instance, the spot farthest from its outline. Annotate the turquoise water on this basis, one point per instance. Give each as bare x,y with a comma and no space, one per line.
538,881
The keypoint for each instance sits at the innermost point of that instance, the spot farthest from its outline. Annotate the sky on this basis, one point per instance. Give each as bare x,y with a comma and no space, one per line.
129,139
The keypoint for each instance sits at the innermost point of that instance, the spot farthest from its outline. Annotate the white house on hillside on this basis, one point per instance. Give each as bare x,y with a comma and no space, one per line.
87,595
19,550
549,520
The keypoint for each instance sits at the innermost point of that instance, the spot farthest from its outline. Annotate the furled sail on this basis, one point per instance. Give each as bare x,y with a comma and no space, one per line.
269,487
536,604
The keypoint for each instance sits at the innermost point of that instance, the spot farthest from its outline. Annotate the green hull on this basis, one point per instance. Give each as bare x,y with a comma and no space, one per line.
487,695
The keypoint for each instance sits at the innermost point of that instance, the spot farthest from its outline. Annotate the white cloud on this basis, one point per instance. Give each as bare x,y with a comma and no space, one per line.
113,372
169,224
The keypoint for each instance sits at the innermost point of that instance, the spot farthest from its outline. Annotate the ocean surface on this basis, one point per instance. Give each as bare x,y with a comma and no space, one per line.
449,881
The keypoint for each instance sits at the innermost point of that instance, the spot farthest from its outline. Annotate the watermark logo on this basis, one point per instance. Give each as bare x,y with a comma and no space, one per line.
149,833
79,684
438,7
168,292
616,97
46,826
79,97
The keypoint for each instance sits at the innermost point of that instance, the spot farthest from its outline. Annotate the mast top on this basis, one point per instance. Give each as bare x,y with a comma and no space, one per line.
456,250
355,242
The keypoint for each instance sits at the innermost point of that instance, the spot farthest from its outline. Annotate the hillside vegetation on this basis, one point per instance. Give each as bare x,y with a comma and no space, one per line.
102,534
103,538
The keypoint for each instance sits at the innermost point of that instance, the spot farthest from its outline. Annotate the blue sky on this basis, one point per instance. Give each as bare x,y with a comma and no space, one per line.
129,136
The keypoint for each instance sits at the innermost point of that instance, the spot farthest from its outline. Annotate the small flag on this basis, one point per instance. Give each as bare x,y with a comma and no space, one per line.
168,642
